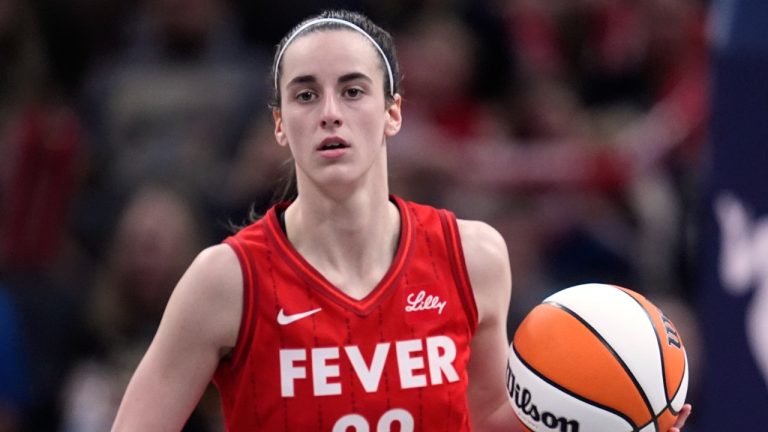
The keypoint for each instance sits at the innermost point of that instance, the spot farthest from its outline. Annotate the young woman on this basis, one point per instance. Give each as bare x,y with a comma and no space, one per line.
347,309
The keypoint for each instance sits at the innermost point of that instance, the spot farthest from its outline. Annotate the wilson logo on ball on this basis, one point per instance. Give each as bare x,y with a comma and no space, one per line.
523,400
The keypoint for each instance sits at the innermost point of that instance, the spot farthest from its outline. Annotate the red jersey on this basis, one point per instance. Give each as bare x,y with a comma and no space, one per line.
311,358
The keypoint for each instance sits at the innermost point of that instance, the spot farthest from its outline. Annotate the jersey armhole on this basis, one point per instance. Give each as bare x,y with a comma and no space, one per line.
459,266
245,332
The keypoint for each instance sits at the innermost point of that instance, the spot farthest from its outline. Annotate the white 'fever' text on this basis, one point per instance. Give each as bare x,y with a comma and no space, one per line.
420,362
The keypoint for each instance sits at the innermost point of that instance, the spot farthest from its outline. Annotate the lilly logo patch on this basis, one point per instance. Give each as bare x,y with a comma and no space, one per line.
421,301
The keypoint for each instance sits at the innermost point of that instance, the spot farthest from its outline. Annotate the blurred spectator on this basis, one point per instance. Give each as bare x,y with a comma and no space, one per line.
442,89
612,61
44,142
40,146
597,46
174,106
156,238
533,33
448,114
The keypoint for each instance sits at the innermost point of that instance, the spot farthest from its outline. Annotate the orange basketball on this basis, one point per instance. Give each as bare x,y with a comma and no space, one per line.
597,357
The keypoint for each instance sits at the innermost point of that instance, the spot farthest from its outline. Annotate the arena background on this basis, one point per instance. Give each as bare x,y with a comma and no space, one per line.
607,140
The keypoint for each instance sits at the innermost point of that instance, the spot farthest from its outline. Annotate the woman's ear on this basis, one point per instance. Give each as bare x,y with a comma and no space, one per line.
394,117
279,132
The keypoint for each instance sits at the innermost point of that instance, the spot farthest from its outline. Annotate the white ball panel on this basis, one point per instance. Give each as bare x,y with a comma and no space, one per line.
602,306
554,407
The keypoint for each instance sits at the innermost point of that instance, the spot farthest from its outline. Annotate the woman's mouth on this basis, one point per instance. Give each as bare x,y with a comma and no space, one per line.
333,147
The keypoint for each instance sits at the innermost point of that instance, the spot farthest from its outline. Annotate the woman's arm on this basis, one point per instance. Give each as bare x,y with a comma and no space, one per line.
487,260
199,326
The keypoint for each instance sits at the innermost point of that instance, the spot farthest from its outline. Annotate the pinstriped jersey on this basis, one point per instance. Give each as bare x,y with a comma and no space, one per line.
309,357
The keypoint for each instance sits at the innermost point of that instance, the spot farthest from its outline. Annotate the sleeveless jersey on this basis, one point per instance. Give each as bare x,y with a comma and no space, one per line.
311,358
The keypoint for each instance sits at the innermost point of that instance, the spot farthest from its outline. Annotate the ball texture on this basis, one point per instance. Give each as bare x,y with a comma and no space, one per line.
597,357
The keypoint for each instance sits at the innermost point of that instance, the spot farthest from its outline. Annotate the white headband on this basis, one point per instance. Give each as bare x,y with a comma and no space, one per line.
342,22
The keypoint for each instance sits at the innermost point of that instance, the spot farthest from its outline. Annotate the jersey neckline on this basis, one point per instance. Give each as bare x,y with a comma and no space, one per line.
318,282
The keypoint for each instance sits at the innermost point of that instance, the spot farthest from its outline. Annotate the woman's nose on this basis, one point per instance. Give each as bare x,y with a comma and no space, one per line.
331,115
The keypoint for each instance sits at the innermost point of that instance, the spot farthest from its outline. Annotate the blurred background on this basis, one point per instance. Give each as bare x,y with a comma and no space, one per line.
617,141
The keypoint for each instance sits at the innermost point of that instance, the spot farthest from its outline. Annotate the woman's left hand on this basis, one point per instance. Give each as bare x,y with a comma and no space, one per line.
684,413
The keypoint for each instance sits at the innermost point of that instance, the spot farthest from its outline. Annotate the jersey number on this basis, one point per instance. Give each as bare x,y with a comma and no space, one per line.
358,423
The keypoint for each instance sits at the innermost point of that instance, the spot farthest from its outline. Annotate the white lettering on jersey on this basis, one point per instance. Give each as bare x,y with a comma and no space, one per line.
369,376
321,371
422,301
417,366
409,363
441,363
288,371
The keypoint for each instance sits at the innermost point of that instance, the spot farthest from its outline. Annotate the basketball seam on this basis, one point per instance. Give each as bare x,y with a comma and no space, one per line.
570,392
616,356
679,387
664,408
669,402
669,398
656,416
658,341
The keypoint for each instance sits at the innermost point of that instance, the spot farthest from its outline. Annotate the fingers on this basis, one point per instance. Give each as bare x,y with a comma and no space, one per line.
680,422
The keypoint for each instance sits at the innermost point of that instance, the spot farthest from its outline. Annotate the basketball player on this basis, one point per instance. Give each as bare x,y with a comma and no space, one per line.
347,309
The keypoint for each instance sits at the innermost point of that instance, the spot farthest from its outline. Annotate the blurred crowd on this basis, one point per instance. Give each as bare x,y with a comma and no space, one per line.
134,134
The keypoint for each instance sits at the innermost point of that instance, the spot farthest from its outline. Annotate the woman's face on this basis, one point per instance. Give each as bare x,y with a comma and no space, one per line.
333,113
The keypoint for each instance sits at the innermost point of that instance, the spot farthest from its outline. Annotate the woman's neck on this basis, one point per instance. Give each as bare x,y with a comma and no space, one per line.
350,241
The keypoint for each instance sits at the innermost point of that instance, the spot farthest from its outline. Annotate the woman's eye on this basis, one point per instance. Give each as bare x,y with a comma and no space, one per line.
353,93
305,96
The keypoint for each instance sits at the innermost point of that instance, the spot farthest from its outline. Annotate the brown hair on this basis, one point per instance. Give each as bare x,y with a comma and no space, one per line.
380,36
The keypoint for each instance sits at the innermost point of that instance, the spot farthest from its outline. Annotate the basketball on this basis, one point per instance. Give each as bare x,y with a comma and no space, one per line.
597,357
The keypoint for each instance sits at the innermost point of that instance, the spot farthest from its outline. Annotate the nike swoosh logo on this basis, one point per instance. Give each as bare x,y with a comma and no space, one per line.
284,319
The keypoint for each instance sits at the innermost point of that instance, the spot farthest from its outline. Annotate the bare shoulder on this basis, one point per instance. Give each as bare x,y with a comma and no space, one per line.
217,265
487,260
214,273
211,292
485,250
481,242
